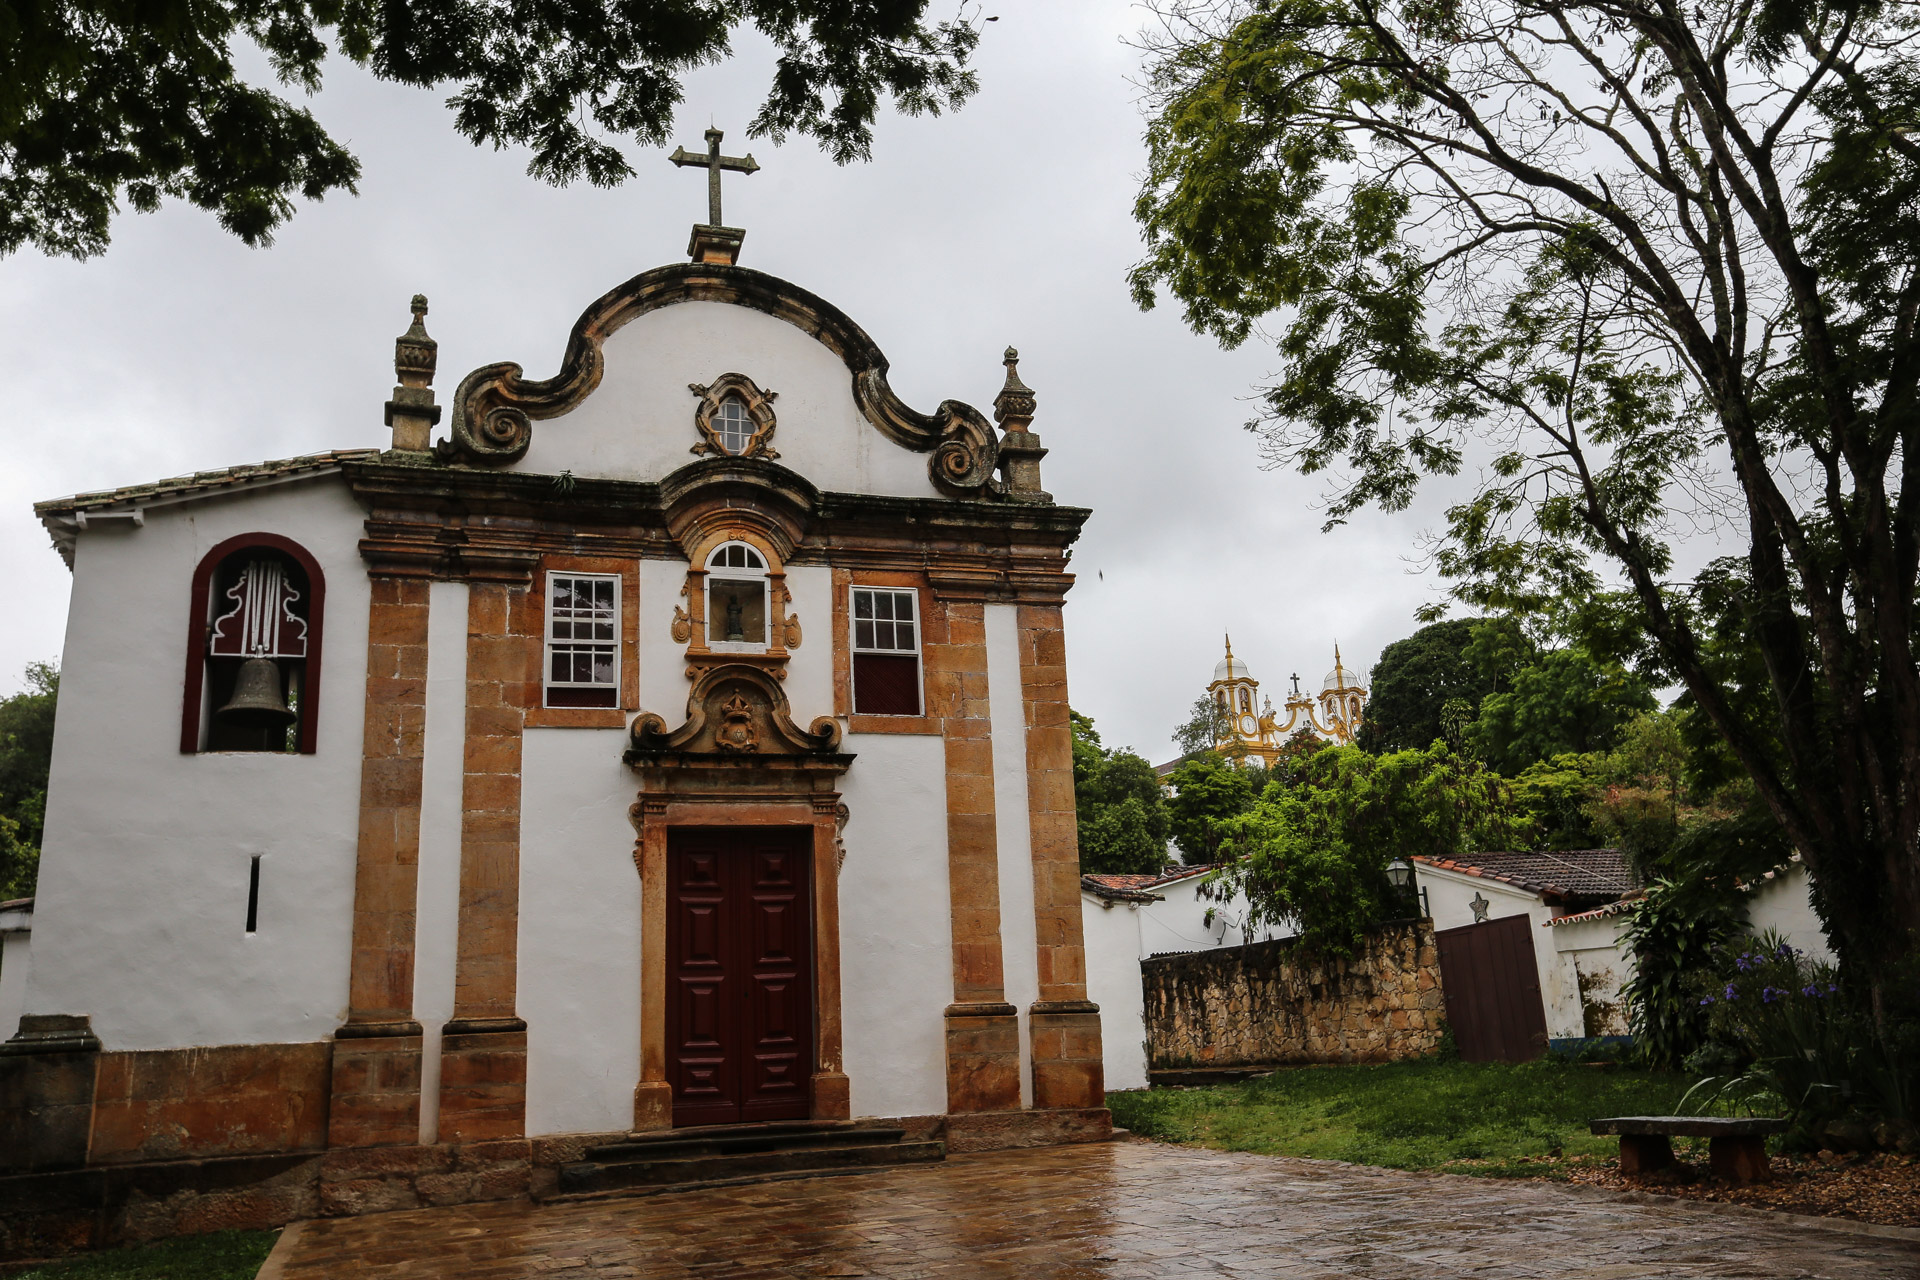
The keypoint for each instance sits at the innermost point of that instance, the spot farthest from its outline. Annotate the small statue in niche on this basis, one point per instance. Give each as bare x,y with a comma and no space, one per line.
736,629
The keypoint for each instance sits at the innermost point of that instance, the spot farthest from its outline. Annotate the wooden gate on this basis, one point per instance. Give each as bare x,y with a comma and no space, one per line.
1492,988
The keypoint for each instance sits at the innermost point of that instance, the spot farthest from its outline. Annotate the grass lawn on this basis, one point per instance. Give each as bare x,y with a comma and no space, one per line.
1491,1118
225,1255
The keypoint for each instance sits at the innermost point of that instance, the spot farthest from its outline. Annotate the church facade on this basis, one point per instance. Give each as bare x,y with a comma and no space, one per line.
682,740
1254,731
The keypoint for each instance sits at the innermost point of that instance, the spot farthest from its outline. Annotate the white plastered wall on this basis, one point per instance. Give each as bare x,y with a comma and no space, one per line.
1591,954
579,934
1112,932
1188,921
442,775
141,908
1449,897
16,958
639,423
1013,829
1784,902
896,929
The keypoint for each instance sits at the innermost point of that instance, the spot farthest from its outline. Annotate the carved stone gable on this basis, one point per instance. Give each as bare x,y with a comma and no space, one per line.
732,711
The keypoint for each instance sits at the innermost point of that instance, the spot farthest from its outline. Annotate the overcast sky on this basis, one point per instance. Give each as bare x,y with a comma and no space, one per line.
1009,223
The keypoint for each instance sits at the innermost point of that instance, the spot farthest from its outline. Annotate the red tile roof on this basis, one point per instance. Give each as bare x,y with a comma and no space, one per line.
1135,888
1562,875
63,516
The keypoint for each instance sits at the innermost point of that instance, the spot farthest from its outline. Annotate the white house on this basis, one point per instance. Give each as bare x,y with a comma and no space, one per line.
1543,887
1128,918
1578,901
16,956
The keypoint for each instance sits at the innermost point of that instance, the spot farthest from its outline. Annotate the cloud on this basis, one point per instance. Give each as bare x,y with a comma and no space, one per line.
1008,223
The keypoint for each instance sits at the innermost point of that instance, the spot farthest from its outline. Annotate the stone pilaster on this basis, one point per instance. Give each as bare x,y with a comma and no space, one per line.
1064,1026
47,1076
982,1029
376,1059
483,1055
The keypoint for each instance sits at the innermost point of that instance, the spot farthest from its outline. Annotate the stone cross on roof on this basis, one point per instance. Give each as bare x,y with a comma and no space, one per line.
713,162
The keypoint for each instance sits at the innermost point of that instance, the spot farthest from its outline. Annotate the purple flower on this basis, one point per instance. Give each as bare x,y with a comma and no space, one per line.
1708,1000
1810,990
1785,951
1769,994
1731,992
1745,963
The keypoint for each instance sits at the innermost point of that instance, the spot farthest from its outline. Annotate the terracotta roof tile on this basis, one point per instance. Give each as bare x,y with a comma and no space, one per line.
1601,875
1123,887
177,486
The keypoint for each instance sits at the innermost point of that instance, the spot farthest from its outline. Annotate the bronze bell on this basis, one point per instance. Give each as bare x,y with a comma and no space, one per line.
257,702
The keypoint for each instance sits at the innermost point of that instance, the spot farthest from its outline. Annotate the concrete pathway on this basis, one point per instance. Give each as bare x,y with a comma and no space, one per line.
1108,1212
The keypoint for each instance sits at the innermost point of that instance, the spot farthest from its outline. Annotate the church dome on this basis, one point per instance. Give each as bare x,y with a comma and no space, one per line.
1341,677
1231,668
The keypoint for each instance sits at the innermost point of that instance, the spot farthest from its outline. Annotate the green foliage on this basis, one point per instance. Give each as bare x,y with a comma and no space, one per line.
1206,728
1560,796
100,103
1489,1118
1469,237
223,1255
1208,791
26,756
1801,1041
1315,855
1674,934
1563,702
1120,805
1415,678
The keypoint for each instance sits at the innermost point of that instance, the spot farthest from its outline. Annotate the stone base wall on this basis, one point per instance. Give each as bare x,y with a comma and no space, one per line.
45,1215
51,1213
1267,1005
184,1104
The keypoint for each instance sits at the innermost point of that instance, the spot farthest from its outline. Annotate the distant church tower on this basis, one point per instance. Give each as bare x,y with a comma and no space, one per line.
1253,730
1237,694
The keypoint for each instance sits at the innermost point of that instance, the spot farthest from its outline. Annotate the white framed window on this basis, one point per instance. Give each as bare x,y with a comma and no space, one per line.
886,651
583,640
732,425
736,599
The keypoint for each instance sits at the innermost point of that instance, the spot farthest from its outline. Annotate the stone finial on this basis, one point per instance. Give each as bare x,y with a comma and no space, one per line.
1020,449
412,413
1013,407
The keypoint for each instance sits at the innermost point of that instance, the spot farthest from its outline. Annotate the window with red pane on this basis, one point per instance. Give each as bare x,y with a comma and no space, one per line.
886,652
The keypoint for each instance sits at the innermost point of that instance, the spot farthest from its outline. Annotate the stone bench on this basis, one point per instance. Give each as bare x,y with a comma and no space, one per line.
1736,1150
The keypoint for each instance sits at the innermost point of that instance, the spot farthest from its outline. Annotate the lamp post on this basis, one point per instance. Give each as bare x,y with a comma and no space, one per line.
1400,876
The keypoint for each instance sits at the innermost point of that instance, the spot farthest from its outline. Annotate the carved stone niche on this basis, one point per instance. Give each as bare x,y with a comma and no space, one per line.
739,737
749,500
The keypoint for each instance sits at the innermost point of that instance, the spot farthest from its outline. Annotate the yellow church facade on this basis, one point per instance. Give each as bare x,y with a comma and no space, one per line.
1253,729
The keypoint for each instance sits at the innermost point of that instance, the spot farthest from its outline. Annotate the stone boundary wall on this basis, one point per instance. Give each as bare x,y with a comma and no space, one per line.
1263,1005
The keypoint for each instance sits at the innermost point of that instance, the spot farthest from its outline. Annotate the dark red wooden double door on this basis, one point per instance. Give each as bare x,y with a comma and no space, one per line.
740,974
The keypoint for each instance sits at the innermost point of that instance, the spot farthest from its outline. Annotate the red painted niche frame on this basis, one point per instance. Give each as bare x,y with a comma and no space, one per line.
197,636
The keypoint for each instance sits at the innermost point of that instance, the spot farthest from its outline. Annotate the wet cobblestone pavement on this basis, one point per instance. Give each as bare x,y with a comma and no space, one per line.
1109,1212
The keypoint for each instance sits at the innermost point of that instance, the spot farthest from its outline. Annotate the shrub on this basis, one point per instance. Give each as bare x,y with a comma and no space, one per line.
1796,1039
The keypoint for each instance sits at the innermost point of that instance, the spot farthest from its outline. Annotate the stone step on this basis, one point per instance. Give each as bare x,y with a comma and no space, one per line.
661,1169
728,1139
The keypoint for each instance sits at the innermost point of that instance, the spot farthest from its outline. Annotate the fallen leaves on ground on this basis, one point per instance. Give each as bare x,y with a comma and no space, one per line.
1882,1189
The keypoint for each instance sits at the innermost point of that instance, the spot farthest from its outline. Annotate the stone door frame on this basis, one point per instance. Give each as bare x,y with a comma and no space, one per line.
654,815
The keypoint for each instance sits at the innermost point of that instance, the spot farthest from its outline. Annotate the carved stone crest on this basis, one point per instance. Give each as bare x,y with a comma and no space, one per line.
682,625
733,710
736,732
